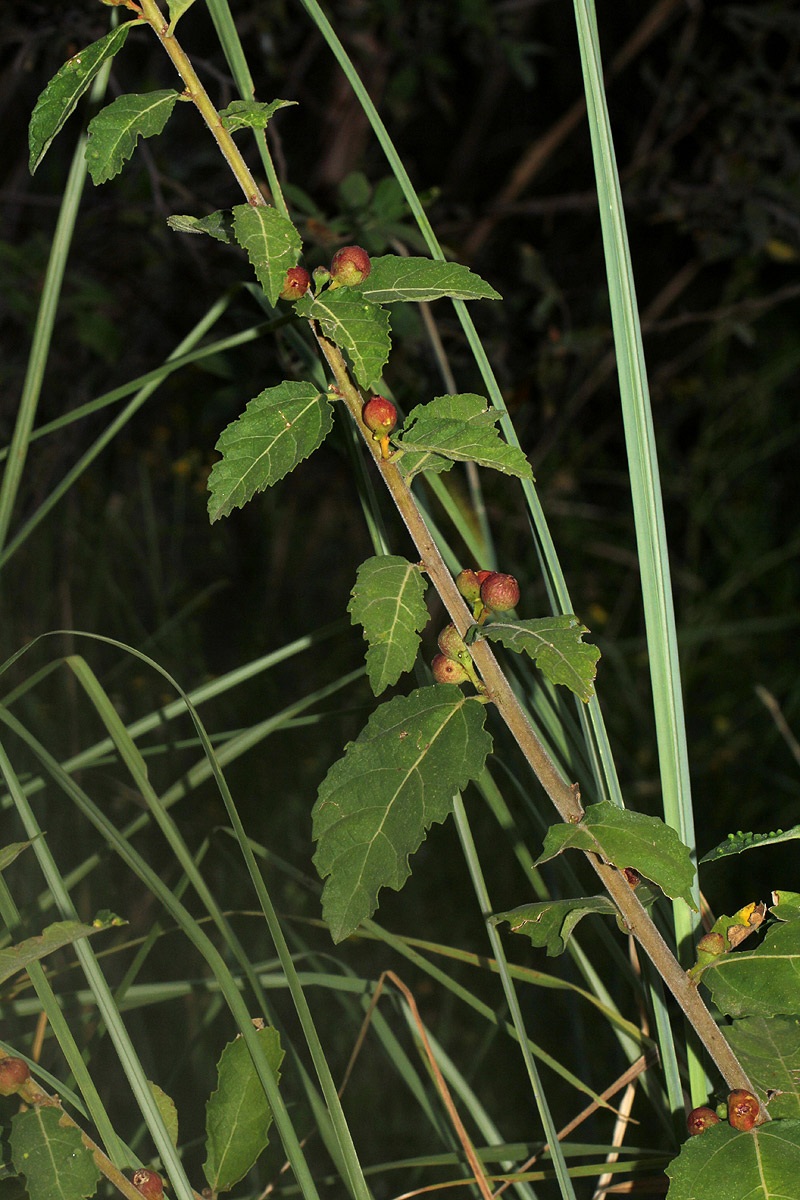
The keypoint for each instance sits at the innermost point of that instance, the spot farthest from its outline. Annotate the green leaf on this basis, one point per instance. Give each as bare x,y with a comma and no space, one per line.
61,933
457,428
169,1113
51,1156
762,982
388,600
238,1114
65,89
176,10
12,851
272,243
355,325
769,1050
736,843
724,1164
377,803
217,225
114,132
786,905
550,923
628,839
392,279
250,114
278,429
554,644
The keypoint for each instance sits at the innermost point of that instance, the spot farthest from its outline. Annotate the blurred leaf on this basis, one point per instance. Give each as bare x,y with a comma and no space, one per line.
238,1114
355,325
550,923
762,982
176,10
377,803
250,114
65,89
12,851
388,600
51,1156
413,279
272,244
724,1164
278,429
114,132
628,839
769,1050
169,1113
555,645
217,225
60,933
736,843
457,428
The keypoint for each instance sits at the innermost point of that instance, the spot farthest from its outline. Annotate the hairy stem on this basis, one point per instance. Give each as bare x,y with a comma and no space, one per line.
564,797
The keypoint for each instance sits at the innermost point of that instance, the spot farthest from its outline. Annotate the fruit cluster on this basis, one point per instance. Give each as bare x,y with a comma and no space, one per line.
744,1113
488,592
454,664
349,267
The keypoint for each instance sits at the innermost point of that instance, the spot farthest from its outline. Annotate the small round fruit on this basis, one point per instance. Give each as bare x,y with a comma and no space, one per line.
13,1073
296,283
484,575
743,1110
701,1119
632,877
711,943
451,642
149,1183
379,415
447,670
500,592
350,266
469,585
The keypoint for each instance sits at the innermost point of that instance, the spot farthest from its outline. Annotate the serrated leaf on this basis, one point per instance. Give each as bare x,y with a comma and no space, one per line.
114,132
217,225
238,1113
628,839
60,933
459,428
65,89
176,10
376,804
388,601
272,244
725,1164
769,1050
550,923
169,1113
762,982
394,279
736,843
356,326
51,1156
555,644
278,429
250,114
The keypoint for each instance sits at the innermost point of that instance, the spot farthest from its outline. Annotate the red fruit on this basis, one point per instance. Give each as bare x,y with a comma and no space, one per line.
484,575
13,1073
350,266
447,670
451,643
701,1119
469,585
379,415
632,877
296,283
149,1183
500,592
743,1110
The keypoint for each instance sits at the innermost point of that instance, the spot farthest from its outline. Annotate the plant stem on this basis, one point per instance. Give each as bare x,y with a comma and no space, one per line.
565,798
198,94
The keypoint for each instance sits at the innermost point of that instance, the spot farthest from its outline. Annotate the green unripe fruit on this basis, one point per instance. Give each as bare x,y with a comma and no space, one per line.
149,1183
451,643
469,585
744,1110
13,1073
500,592
296,283
350,266
447,670
711,943
701,1119
380,416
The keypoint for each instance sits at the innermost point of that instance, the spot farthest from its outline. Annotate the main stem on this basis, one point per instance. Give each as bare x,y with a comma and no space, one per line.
564,797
